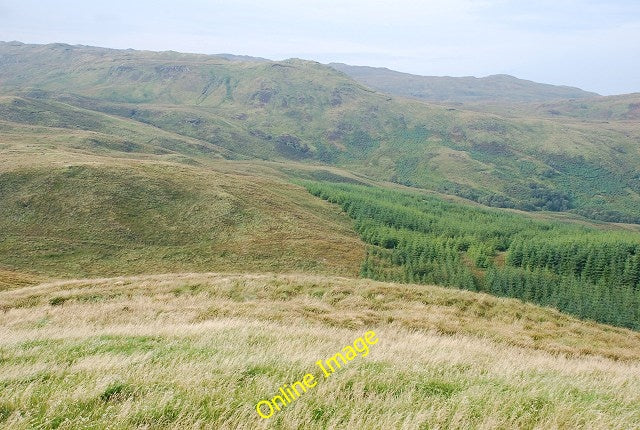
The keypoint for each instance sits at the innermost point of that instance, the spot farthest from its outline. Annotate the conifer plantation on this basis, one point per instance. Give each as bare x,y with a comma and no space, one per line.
585,271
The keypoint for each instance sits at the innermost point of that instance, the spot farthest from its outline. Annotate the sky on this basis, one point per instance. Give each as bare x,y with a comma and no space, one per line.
591,44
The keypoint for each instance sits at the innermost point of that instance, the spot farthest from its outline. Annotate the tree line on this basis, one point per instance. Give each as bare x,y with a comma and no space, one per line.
412,237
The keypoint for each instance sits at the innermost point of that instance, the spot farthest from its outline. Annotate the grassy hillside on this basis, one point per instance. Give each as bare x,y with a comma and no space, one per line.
200,350
200,107
495,88
108,217
625,107
603,109
163,266
617,112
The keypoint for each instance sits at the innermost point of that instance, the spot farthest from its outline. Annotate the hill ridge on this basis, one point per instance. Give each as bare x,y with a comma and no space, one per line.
301,110
492,88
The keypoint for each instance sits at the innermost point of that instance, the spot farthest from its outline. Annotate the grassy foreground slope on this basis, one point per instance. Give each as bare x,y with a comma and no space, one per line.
200,350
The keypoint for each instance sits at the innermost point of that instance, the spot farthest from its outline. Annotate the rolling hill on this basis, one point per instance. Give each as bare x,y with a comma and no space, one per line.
494,88
207,106
96,219
622,108
171,250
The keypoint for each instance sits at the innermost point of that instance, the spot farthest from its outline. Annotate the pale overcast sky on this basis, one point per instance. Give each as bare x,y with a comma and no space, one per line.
591,44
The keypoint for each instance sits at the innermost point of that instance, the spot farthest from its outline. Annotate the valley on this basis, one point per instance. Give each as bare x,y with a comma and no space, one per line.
182,234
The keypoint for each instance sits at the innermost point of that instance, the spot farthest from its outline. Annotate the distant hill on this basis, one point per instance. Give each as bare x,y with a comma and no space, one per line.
622,107
193,108
248,58
492,88
618,109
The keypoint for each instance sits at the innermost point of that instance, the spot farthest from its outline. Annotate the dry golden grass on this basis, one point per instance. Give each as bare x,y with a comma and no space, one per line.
12,279
200,350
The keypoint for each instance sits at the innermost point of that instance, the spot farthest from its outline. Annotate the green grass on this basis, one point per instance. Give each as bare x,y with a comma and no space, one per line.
90,220
143,356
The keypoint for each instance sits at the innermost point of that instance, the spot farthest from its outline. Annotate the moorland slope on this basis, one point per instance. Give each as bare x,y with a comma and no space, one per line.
209,106
200,350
